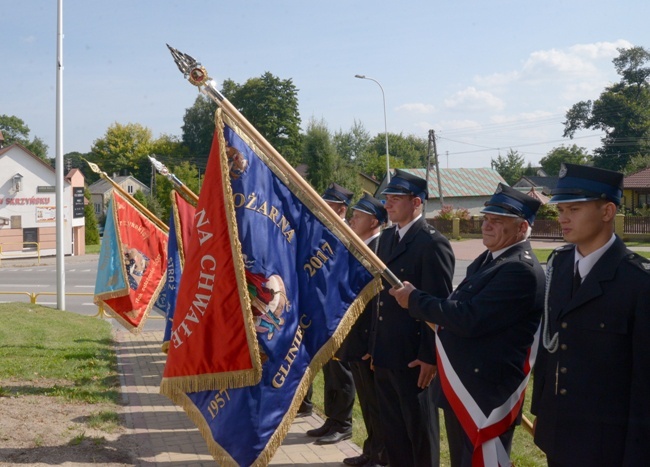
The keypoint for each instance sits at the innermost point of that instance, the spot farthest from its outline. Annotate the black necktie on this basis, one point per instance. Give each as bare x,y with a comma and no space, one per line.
486,261
577,280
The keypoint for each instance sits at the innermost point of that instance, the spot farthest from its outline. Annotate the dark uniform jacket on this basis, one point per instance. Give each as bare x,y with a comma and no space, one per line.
423,257
488,324
592,396
357,342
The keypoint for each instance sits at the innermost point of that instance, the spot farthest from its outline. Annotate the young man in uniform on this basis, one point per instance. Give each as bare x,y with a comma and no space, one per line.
592,376
403,348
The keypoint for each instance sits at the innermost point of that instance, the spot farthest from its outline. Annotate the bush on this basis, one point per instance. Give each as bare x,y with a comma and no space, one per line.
448,213
547,211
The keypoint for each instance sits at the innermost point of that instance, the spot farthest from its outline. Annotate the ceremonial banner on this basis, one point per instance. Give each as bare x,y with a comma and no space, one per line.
180,224
132,264
270,282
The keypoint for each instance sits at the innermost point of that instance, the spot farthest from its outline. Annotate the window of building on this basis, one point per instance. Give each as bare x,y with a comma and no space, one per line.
30,237
129,189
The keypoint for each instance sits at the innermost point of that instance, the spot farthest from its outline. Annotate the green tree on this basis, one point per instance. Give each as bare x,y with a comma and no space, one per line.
270,104
198,129
510,167
151,203
622,111
90,220
124,150
319,154
352,145
571,154
186,173
14,130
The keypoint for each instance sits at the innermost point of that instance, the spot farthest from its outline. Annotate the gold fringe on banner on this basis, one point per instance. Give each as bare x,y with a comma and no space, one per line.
323,355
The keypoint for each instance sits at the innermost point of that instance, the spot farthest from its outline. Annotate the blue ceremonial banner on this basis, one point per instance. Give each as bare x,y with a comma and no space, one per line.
307,284
180,220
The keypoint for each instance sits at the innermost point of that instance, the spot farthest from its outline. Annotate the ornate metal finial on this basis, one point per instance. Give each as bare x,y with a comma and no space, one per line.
94,167
196,74
191,69
159,166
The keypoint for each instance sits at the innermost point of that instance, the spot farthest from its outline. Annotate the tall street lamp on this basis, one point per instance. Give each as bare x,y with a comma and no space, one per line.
383,96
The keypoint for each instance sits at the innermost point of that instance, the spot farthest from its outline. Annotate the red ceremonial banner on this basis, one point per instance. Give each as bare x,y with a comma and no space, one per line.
210,312
138,263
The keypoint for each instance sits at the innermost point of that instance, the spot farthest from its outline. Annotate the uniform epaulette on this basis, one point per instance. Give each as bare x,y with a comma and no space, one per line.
559,250
639,261
526,257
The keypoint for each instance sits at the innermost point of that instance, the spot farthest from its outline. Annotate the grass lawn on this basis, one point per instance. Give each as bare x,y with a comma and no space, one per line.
524,451
56,353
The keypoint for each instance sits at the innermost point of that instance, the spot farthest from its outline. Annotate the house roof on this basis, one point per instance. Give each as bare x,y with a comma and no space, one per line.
548,183
101,186
640,179
538,196
460,182
6,149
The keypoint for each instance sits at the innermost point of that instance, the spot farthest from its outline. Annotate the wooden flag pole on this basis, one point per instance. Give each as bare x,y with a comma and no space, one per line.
151,216
198,76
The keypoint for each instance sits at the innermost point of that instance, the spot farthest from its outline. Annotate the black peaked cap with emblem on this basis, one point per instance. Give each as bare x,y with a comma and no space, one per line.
583,183
337,194
507,201
405,183
371,205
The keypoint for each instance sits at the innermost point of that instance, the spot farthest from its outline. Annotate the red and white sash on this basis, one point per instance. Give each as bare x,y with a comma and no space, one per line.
483,431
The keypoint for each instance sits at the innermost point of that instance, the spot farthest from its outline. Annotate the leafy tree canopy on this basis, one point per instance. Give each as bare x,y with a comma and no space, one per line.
510,167
270,104
622,111
124,150
571,154
198,129
14,130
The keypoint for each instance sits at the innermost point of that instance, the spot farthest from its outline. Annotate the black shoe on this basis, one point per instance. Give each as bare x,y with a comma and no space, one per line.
334,436
363,459
305,413
318,432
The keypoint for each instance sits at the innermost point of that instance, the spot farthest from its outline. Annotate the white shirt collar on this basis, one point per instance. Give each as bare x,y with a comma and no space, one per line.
587,262
370,239
496,254
403,230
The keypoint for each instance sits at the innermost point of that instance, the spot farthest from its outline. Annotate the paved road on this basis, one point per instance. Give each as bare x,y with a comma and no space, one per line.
26,275
18,276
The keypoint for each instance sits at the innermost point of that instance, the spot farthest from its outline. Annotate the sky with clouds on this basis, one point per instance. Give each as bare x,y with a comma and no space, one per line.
486,75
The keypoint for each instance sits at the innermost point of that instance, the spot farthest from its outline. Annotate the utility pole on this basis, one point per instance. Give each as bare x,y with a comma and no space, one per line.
432,144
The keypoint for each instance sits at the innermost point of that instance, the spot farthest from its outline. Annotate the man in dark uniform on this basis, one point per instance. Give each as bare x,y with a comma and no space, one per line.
486,330
403,348
338,381
592,378
368,216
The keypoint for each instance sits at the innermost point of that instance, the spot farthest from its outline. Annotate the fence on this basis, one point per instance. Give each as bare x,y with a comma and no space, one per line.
627,226
24,252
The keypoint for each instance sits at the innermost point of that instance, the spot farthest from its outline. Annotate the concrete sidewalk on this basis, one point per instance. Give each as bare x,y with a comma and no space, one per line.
167,437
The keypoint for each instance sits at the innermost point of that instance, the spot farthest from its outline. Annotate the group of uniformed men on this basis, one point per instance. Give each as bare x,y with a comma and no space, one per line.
583,326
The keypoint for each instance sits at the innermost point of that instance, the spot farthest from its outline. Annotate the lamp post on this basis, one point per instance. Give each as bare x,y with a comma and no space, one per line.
383,96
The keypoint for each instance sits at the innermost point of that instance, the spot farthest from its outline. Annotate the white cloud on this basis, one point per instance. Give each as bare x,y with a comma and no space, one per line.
472,99
497,79
600,50
29,39
417,107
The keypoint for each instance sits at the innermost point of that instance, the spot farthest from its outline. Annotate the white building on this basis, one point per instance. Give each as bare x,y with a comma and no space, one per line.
28,206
